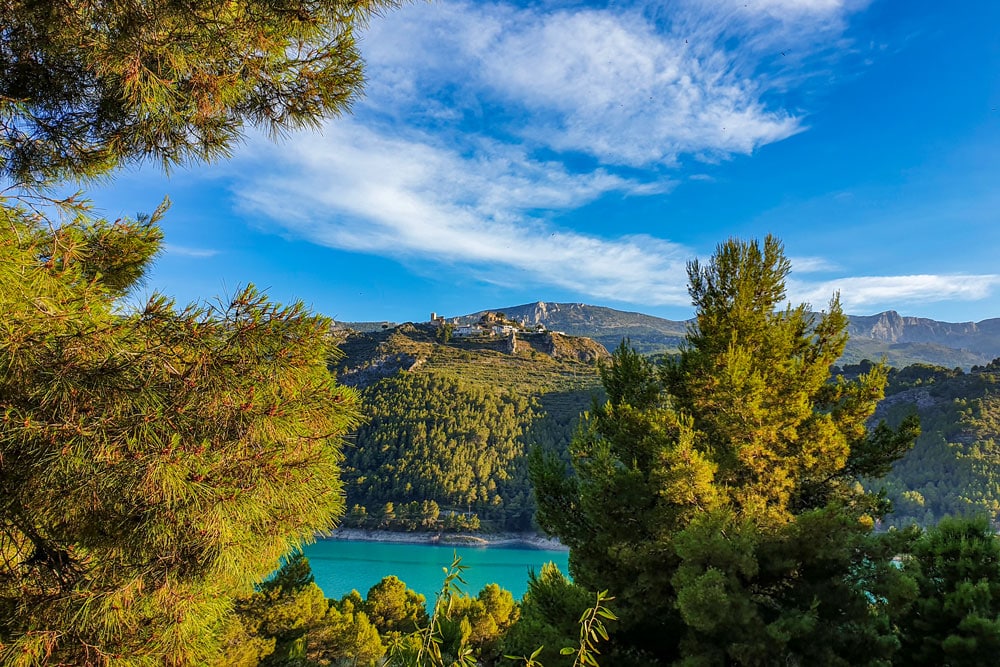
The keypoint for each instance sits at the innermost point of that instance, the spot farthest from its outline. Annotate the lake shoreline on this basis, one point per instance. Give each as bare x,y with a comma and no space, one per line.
483,540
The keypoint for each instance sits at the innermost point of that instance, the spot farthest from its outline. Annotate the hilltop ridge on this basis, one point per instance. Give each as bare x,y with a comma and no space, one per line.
505,360
900,339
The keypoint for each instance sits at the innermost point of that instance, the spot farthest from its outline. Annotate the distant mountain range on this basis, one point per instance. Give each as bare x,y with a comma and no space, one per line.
900,340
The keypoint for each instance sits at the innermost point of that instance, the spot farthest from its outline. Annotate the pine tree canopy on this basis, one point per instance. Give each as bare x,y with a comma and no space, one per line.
955,614
154,464
717,495
86,86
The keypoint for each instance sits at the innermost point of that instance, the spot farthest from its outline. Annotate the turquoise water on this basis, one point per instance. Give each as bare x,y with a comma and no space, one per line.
344,565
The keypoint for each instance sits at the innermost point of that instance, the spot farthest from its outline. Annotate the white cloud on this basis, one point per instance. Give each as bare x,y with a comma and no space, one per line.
618,84
185,251
806,264
891,291
354,189
611,86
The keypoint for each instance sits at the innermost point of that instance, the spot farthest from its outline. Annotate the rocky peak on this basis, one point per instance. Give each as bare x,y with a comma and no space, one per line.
538,313
889,327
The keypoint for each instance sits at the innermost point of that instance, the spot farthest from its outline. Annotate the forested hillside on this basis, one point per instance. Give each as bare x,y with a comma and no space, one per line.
435,439
953,467
451,420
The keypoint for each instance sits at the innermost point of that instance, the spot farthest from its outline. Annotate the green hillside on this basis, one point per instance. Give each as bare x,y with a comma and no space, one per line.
954,467
451,421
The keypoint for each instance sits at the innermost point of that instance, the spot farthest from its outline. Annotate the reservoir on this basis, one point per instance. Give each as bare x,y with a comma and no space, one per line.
341,566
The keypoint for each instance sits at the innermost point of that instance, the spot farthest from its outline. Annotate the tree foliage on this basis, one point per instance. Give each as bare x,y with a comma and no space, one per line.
392,607
431,438
952,469
550,615
86,86
152,464
288,621
461,630
479,623
955,618
716,495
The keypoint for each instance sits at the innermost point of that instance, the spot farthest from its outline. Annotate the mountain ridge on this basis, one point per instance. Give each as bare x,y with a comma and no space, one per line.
902,340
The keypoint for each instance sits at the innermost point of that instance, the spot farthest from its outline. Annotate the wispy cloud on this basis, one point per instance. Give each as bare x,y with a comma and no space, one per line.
357,190
618,84
806,264
892,291
509,118
185,251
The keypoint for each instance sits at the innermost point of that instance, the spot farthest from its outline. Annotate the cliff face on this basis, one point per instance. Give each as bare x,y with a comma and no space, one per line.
559,346
887,326
891,327
922,330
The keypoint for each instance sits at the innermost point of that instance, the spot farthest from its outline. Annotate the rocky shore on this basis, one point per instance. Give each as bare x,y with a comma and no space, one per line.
515,540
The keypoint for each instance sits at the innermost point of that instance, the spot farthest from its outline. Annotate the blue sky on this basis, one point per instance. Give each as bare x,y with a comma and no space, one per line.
568,151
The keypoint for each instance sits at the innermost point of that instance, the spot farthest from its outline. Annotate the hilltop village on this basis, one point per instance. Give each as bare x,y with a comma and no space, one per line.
490,325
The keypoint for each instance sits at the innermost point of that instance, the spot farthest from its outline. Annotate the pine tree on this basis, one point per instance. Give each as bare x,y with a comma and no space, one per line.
955,618
549,618
86,86
716,496
153,465
287,621
392,607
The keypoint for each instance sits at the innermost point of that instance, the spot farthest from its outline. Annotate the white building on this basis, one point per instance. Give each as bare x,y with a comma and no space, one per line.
467,331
